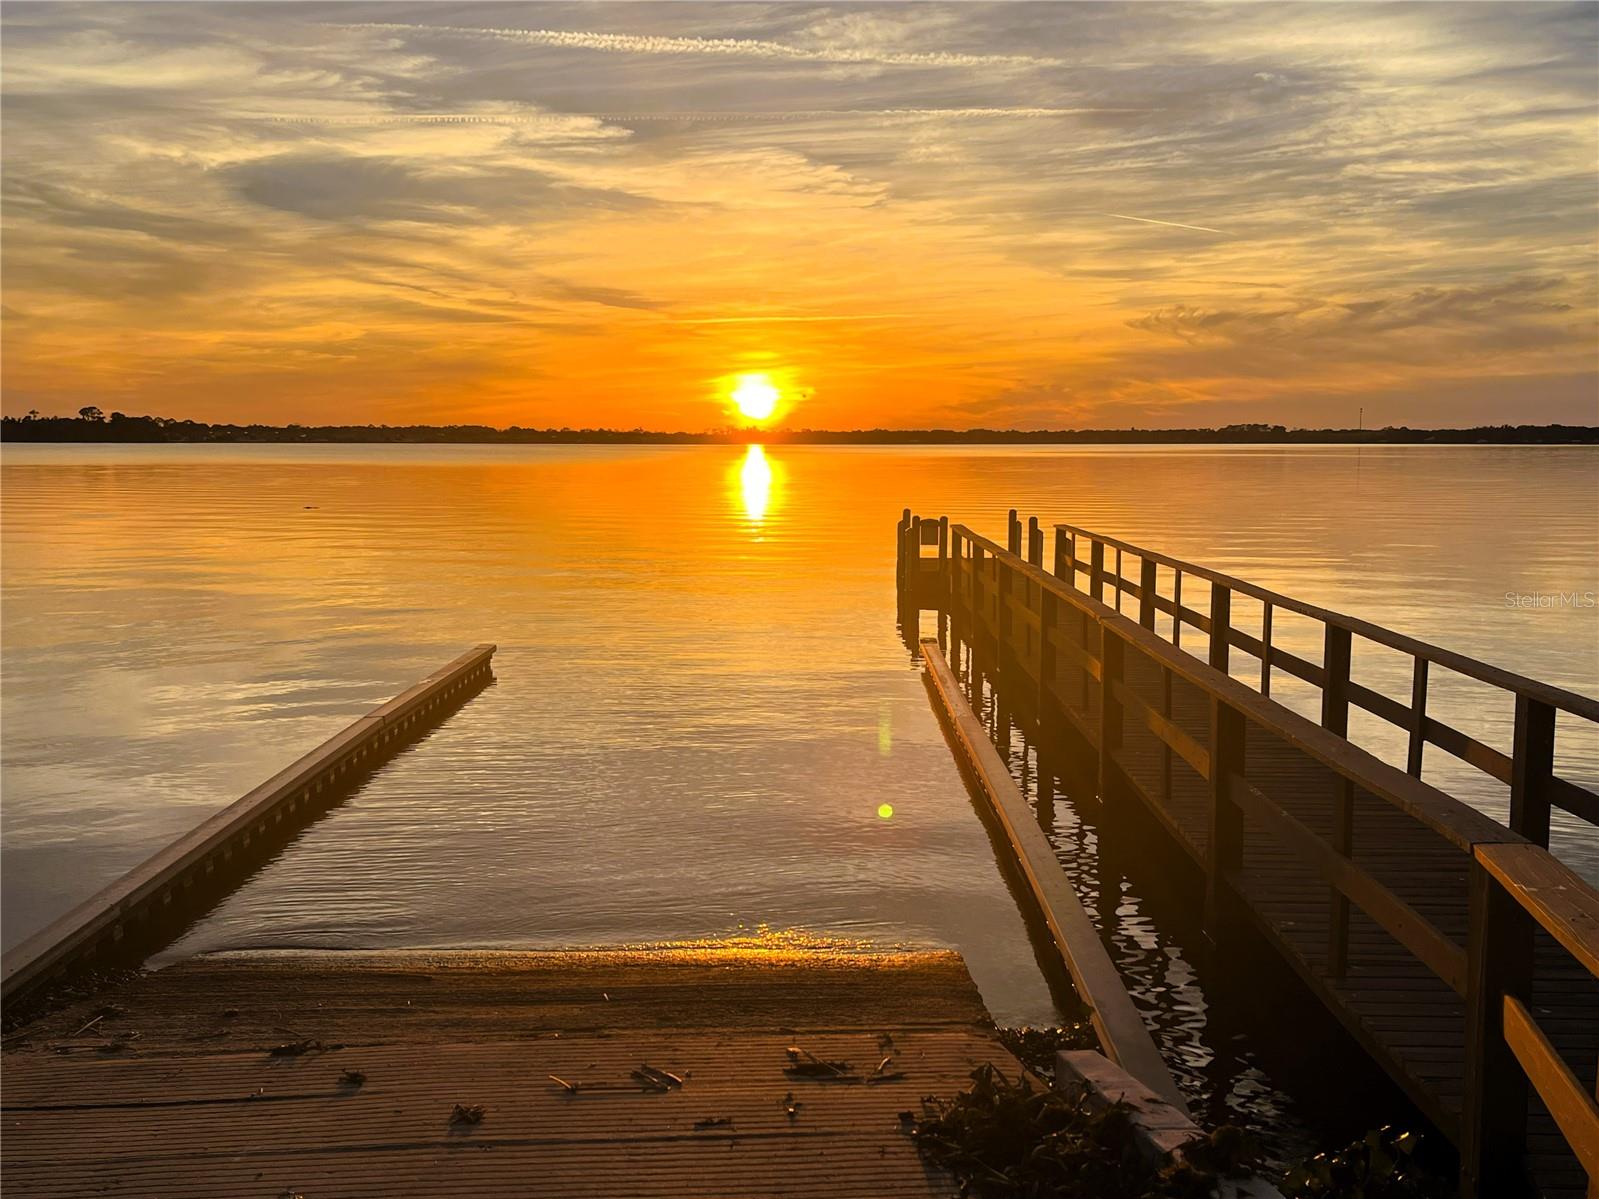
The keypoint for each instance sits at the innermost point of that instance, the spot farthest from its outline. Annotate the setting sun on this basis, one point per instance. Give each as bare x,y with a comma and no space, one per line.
755,397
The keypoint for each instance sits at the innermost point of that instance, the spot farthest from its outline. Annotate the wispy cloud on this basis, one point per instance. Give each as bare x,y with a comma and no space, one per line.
632,43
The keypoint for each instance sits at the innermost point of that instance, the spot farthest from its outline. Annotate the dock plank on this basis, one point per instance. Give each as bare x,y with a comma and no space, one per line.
194,1102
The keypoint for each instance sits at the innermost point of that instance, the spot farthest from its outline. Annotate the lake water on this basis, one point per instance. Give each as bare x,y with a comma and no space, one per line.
706,725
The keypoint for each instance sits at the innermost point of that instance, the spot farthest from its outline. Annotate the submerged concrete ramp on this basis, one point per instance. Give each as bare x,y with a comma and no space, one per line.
341,1074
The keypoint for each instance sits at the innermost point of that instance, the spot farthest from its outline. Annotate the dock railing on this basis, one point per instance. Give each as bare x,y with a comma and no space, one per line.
1528,770
1458,892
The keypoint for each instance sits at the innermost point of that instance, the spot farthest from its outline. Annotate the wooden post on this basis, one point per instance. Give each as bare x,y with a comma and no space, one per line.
1096,570
1035,542
1165,746
1226,850
1063,560
1265,648
899,545
1111,655
1418,718
1146,593
1335,659
1493,1116
1003,622
1532,765
1177,608
1221,622
1048,615
1013,534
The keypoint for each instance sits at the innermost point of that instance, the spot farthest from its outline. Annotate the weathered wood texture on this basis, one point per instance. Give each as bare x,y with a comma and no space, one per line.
1360,873
1121,1030
81,937
194,1102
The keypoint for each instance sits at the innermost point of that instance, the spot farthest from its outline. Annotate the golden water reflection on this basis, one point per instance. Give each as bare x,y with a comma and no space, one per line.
755,486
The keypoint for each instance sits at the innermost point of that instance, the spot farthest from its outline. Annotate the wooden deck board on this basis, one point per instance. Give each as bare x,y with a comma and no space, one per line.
194,1102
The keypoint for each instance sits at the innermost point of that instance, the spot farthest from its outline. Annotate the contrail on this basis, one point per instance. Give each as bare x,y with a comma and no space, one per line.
1174,224
629,43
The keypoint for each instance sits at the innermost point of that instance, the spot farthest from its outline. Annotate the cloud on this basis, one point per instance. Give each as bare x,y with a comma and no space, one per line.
750,48
905,207
1468,310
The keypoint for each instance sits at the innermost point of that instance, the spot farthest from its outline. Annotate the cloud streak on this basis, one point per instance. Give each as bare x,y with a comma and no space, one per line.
629,43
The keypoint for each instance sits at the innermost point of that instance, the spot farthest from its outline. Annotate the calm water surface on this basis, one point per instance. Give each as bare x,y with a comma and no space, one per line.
705,724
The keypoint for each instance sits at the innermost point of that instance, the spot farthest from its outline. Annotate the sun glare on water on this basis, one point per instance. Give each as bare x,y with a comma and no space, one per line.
755,397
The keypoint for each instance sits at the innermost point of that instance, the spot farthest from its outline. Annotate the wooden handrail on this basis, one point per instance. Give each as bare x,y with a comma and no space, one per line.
1459,823
1568,910
1565,906
1556,697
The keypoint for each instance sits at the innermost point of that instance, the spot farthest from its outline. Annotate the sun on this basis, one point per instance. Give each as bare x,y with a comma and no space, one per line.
755,397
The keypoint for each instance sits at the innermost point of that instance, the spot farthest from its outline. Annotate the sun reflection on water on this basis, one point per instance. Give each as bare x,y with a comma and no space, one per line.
755,478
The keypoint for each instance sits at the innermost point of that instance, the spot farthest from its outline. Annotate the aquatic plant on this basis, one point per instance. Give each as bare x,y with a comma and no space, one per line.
1006,1139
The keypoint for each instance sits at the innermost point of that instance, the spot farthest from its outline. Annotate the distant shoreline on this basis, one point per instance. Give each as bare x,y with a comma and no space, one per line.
160,430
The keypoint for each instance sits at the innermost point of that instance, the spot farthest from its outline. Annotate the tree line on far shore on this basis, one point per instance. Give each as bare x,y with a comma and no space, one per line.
93,425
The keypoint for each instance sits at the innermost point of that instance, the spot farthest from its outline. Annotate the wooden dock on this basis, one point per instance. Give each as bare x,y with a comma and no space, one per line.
343,1074
120,924
1459,952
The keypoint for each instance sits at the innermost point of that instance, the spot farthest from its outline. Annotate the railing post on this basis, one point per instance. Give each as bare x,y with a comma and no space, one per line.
1335,683
1062,567
1226,849
1112,652
1146,593
1047,615
1493,1116
1013,534
1221,623
1265,648
899,545
1096,569
1035,542
1418,719
1177,607
1532,764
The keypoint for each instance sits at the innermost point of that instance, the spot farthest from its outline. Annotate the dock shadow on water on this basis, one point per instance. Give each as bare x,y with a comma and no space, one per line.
1239,1038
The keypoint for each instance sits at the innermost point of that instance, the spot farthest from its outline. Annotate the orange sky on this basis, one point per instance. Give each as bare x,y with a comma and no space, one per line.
1028,215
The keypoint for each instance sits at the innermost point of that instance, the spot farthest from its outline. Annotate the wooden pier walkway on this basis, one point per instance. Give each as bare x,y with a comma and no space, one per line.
1459,952
376,1075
